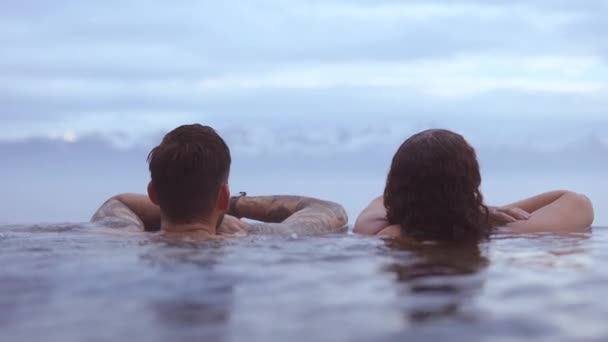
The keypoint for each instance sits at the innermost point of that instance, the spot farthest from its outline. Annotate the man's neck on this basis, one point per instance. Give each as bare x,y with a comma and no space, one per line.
197,227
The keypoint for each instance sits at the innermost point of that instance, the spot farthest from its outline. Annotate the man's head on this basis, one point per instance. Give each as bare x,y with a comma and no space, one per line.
189,171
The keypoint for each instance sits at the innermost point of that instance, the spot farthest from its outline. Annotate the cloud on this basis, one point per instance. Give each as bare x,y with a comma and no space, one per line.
79,176
286,91
481,74
206,35
307,87
136,67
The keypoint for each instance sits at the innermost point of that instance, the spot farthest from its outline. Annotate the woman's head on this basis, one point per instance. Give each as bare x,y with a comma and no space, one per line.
432,189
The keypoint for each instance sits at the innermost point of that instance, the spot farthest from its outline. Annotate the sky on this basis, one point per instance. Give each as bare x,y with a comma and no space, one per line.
525,81
132,68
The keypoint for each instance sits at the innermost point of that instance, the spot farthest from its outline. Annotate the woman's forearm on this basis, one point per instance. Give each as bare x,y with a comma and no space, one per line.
568,211
537,202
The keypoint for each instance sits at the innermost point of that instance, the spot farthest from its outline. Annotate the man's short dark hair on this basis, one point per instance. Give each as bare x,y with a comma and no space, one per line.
188,170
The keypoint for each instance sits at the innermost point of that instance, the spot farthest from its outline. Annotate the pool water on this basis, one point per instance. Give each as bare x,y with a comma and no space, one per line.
84,283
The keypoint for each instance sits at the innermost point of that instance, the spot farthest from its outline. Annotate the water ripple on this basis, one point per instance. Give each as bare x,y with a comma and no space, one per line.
339,288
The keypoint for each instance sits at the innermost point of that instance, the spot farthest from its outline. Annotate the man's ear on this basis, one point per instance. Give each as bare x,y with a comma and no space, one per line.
223,200
152,193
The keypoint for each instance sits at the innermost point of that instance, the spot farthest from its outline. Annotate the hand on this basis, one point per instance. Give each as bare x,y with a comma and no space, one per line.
231,226
504,215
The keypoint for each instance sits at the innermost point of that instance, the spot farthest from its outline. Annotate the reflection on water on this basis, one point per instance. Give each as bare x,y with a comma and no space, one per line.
199,305
75,283
437,281
202,316
17,293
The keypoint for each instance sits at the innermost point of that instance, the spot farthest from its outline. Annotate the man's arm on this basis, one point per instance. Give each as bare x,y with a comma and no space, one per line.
115,214
290,214
129,210
138,212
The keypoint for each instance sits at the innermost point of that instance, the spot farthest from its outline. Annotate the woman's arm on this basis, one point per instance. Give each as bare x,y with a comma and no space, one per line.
372,219
556,211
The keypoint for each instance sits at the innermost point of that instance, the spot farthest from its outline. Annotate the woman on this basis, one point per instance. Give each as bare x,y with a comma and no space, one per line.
432,193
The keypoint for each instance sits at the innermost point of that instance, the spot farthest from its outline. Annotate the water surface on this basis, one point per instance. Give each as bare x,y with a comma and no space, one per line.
78,282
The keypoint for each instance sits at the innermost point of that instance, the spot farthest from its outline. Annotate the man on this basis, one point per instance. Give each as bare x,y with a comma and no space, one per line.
189,193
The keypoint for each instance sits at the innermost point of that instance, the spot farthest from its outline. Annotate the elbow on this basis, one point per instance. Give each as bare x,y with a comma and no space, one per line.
120,198
333,214
584,207
370,222
366,225
124,198
581,207
359,227
341,216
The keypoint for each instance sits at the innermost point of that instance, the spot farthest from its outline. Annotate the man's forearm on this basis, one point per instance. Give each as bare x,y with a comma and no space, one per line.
302,215
276,209
135,207
290,214
142,206
114,213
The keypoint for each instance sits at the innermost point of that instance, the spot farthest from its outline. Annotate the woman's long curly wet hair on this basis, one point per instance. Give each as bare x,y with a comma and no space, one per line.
432,190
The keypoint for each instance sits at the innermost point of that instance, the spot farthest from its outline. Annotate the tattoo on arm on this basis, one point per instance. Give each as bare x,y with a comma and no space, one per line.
292,214
116,214
274,209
